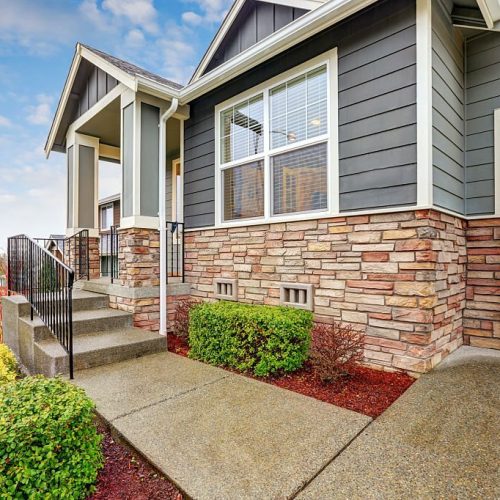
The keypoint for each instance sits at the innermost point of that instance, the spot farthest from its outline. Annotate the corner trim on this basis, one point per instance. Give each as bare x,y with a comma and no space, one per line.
424,103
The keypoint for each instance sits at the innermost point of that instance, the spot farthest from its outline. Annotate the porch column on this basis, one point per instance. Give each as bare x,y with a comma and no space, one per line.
82,196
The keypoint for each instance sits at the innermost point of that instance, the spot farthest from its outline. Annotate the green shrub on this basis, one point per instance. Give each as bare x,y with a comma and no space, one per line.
49,445
8,365
263,339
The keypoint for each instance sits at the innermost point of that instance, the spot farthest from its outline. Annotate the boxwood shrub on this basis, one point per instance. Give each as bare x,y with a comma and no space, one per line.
258,338
8,365
49,445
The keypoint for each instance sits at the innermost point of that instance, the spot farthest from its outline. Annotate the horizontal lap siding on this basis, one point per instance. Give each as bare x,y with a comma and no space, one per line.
482,98
448,112
377,112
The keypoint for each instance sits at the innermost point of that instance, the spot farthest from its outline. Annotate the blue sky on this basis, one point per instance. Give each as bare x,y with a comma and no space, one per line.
37,41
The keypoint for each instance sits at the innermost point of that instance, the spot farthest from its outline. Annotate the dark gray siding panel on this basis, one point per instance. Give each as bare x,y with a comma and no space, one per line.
127,163
69,197
377,114
255,21
482,98
94,87
86,182
448,118
150,140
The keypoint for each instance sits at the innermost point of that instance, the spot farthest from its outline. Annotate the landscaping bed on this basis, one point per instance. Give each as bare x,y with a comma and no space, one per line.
365,390
126,476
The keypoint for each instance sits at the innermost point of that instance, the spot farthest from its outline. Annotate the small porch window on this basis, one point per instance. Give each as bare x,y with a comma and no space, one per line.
273,153
106,217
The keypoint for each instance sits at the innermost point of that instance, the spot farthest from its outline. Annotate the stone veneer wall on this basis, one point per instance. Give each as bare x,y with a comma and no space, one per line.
72,255
398,277
139,267
139,275
482,314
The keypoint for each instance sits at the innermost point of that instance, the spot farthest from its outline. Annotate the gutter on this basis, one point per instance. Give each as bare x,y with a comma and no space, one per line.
162,166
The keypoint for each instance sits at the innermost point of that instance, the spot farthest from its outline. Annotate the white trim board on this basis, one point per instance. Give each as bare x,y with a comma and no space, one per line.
496,170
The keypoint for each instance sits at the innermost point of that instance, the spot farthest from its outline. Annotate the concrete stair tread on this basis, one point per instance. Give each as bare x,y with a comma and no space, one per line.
91,314
99,341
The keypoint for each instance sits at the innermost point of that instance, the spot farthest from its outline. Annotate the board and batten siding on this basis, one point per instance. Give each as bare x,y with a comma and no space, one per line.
448,111
377,112
482,98
97,84
256,21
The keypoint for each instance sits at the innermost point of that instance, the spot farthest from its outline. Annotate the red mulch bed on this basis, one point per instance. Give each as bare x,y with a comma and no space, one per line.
365,390
126,476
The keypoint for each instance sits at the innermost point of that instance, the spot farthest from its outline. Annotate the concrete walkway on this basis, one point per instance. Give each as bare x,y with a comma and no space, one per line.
439,440
220,435
217,434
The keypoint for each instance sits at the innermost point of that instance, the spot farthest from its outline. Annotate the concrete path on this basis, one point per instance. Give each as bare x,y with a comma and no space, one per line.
441,439
217,434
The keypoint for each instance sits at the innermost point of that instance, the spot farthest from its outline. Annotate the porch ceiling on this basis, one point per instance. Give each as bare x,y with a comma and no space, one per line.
105,125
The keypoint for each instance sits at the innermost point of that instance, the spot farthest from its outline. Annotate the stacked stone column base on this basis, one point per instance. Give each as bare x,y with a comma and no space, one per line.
77,256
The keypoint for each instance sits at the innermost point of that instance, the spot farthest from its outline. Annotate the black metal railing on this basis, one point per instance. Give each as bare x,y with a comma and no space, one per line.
109,246
73,251
175,250
47,284
77,254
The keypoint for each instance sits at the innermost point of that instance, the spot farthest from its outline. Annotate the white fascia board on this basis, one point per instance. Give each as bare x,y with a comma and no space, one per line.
68,85
152,87
217,40
306,26
484,6
300,4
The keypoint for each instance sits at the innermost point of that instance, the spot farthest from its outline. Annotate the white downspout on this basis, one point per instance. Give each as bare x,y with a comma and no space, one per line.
163,214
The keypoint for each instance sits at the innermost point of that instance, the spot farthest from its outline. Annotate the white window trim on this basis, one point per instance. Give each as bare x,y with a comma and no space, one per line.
330,59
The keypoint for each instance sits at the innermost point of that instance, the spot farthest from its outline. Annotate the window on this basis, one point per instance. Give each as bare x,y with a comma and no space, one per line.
106,217
273,148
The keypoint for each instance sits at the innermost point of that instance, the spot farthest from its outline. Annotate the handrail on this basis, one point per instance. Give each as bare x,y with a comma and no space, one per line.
109,246
77,253
175,250
47,284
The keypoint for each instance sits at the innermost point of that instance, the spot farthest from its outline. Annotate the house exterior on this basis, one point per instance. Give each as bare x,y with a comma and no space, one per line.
341,156
55,245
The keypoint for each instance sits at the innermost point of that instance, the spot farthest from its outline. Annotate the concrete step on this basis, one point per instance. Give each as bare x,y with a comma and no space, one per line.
82,301
87,321
96,349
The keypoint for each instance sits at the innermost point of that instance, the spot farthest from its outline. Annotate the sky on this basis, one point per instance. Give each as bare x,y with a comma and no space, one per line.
37,43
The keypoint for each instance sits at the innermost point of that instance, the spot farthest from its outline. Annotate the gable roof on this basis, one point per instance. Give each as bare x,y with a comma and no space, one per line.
132,69
126,73
230,18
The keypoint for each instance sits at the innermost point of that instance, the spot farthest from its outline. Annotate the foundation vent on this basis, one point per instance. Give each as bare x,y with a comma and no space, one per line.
226,289
296,295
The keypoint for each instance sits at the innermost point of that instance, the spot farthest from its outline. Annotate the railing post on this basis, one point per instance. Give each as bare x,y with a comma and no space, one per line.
182,253
9,267
70,312
30,260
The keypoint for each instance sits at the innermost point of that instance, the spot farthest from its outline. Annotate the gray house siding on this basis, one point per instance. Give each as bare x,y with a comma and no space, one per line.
482,98
96,85
377,114
448,120
256,21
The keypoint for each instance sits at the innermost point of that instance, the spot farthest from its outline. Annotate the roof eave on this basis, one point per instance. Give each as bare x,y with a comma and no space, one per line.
311,23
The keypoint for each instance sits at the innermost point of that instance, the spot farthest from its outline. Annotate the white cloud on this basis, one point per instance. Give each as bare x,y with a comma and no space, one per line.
135,38
40,114
193,18
212,11
138,12
4,121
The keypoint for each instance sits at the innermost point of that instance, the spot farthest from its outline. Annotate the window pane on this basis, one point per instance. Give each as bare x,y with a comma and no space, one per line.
316,119
296,94
242,130
243,188
302,102
300,180
316,85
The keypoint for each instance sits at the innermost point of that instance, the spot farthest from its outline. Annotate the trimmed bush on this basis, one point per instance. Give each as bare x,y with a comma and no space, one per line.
8,365
262,339
180,323
49,445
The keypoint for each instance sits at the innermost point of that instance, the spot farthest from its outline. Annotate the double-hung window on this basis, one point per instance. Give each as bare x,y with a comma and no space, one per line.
274,152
